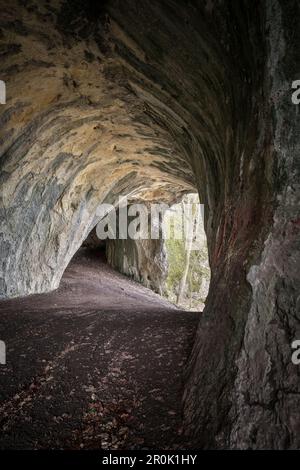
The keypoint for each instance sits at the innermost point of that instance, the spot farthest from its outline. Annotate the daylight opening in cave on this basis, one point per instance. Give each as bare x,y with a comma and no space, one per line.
187,264
174,262
102,342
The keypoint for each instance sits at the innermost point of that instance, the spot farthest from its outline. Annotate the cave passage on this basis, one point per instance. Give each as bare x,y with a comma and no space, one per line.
153,99
98,363
175,264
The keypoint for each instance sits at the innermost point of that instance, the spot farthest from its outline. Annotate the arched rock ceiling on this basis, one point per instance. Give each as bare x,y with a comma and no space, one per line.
155,98
112,98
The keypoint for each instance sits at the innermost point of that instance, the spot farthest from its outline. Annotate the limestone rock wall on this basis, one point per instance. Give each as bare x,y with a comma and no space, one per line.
73,134
152,99
143,260
267,387
256,403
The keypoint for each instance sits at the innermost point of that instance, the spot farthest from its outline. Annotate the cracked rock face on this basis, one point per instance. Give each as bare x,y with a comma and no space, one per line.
151,100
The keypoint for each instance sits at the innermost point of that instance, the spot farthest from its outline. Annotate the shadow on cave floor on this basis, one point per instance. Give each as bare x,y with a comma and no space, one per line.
98,363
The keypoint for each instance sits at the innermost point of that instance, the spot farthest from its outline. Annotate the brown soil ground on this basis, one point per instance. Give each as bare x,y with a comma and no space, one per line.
98,363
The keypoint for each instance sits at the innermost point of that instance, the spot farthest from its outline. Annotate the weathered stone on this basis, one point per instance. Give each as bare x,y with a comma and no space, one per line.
143,260
152,100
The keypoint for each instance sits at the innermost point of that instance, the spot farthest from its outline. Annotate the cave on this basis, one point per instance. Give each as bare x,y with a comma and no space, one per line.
154,100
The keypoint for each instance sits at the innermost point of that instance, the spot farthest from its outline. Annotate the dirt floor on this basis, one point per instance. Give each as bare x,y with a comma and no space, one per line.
96,364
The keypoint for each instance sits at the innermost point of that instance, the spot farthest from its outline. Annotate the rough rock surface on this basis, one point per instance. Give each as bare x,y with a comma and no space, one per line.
143,260
152,99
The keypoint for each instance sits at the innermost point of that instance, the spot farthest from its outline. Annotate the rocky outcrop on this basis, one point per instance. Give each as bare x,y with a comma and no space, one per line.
151,100
143,260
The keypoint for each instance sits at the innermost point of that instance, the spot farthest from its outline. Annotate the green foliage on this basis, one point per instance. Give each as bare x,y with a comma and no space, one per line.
198,274
176,255
176,261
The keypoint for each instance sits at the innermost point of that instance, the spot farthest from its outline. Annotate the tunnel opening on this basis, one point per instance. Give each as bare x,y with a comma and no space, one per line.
155,100
188,271
174,263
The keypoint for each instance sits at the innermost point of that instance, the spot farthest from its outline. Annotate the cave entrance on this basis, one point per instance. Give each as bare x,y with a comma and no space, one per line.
188,271
173,263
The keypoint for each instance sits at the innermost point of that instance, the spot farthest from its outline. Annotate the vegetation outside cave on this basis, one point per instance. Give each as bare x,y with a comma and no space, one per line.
188,277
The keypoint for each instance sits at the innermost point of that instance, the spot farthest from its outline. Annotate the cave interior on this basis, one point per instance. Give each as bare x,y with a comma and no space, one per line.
153,100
